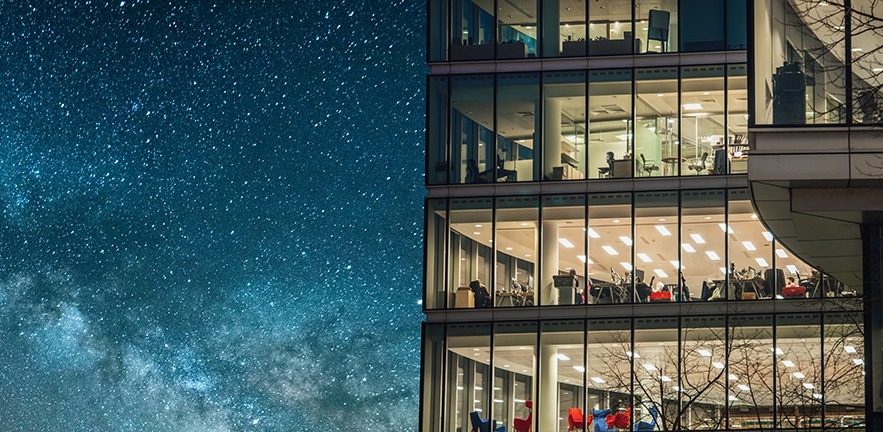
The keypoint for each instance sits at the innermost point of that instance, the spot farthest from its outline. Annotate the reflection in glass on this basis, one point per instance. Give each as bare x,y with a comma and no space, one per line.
703,380
564,250
516,241
610,126
656,120
608,365
515,358
655,370
470,253
867,61
564,125
844,380
433,370
468,380
750,372
798,353
518,98
472,25
438,30
702,25
702,120
610,248
437,165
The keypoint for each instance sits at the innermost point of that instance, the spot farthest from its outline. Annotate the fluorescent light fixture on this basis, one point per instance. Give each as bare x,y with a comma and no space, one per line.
644,257
732,398
519,400
663,230
712,255
581,258
476,233
498,400
624,137
562,357
479,388
777,350
660,273
631,354
626,240
677,264
856,50
733,377
598,380
676,388
693,106
704,353
762,262
788,363
781,253
743,387
687,247
723,270
767,236
626,266
725,228
858,362
508,248
697,238
610,250
459,387
809,386
649,367
850,349
505,366
579,368
749,246
593,233
817,395
566,243
799,375
664,378
718,365
792,268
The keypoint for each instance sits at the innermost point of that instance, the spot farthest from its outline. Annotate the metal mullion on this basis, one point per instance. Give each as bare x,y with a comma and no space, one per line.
847,16
726,104
538,268
495,134
585,288
632,364
493,277
822,362
495,43
585,404
681,289
680,116
680,348
490,391
538,170
448,131
749,66
727,265
775,372
536,373
727,347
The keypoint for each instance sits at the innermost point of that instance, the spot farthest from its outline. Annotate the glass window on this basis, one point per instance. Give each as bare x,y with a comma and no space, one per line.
702,120
610,221
562,367
737,24
433,371
657,21
470,253
516,241
844,380
472,129
437,166
610,28
564,29
656,121
564,125
656,273
518,29
472,25
434,264
608,366
702,216
438,30
703,384
515,357
564,250
610,124
469,376
798,354
655,370
750,251
702,26
867,61
518,99
750,372
737,122
792,272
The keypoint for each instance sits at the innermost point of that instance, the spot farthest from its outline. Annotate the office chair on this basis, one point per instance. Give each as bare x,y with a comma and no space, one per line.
524,425
607,171
481,425
698,165
773,281
648,166
575,420
648,426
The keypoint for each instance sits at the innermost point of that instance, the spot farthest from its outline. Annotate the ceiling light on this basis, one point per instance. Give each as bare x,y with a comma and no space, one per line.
858,362
877,69
476,233
593,234
725,228
644,257
665,379
777,350
762,262
856,50
693,106
733,377
697,238
626,240
767,236
610,250
660,273
624,137
677,264
598,380
579,368
505,365
809,386
850,349
712,255
799,375
788,363
660,94
781,253
743,387
817,395
566,243
688,248
704,353
718,365
663,230
649,367
792,268
581,258
749,246
508,248
723,270
478,225
616,220
732,398
562,357
626,266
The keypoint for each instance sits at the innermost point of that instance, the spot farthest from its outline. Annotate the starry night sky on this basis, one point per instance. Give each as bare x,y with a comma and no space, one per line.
211,215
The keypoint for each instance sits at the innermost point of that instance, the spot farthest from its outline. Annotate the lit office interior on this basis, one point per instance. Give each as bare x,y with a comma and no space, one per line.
801,55
465,30
687,246
768,372
587,125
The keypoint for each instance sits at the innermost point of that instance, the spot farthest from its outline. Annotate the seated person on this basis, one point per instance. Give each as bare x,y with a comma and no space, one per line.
791,282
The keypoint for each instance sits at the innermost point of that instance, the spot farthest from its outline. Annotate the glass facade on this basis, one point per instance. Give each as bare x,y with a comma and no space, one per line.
564,28
643,247
723,372
596,124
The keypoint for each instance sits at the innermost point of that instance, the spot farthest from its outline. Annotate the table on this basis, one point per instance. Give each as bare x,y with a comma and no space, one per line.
672,162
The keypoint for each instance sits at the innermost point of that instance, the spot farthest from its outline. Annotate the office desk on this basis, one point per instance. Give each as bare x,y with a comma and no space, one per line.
622,168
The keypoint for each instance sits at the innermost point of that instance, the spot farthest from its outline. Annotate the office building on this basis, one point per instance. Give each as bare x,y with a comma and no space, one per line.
652,215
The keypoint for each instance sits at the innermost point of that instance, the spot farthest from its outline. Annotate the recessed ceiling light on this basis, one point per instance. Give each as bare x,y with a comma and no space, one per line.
704,353
858,362
791,268
809,386
733,377
598,380
508,248
850,349
478,225
660,273
743,387
626,266
767,236
712,255
677,264
693,106
663,230
749,246
562,357
644,257
610,250
781,253
649,367
697,238
593,234
579,368
665,379
689,248
566,243
788,363
725,228
718,365
762,262
626,240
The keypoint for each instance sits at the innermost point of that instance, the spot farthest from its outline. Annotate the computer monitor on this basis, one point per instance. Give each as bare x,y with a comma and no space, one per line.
639,274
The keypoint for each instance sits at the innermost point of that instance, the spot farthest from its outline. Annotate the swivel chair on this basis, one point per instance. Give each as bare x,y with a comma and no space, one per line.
698,165
481,425
607,172
648,166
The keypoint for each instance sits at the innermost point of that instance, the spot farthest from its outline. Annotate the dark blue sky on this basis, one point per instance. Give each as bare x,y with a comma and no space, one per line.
211,215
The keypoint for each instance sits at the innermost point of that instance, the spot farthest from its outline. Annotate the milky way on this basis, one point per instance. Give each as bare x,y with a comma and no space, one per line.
211,215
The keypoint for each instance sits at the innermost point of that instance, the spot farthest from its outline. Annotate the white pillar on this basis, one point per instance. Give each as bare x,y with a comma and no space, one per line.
549,266
548,394
551,135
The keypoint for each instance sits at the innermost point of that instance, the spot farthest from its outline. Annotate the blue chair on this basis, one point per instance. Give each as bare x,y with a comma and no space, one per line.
644,426
599,420
479,425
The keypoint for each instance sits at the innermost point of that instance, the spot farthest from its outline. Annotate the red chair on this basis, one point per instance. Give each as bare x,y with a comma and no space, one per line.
620,419
575,419
524,425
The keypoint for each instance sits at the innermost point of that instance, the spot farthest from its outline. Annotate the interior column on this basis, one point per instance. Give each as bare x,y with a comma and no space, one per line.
551,135
549,267
548,407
